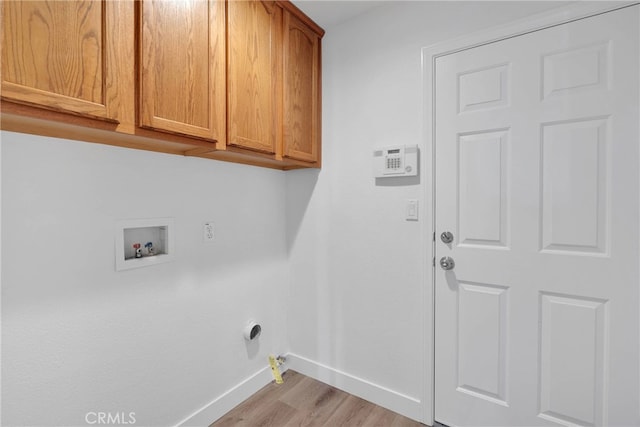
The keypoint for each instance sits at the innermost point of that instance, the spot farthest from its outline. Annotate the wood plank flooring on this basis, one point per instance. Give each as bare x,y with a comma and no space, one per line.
303,401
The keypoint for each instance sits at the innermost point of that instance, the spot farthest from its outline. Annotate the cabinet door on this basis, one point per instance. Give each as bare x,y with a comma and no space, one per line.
301,140
182,67
69,56
253,69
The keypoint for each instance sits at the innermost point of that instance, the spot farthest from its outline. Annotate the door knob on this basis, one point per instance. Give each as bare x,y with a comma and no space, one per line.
446,237
447,263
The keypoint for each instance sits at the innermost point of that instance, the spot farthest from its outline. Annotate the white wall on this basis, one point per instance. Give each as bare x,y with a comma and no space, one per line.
359,270
160,341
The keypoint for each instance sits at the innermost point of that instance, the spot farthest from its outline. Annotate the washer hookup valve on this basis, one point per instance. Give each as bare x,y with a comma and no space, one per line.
136,246
149,247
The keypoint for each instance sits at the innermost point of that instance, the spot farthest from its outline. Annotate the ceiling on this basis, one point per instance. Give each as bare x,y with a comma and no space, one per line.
328,13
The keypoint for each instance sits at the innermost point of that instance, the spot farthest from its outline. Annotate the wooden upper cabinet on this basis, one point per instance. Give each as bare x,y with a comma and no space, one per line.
301,79
166,75
70,56
182,67
254,31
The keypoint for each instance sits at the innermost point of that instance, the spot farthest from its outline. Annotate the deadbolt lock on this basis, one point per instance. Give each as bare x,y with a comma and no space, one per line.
446,237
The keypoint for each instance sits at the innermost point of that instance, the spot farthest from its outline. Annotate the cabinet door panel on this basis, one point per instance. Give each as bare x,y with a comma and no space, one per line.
62,55
182,67
255,35
301,91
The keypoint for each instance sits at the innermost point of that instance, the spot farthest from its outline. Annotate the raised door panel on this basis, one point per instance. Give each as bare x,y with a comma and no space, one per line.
301,140
574,186
69,56
254,41
573,352
482,189
482,325
182,67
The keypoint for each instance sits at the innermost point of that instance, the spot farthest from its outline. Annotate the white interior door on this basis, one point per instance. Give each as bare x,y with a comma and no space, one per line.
537,180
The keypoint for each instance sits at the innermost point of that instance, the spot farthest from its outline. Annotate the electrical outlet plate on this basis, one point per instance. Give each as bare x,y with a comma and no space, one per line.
208,232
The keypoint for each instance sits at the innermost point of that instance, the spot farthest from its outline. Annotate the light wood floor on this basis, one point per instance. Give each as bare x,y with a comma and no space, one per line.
303,401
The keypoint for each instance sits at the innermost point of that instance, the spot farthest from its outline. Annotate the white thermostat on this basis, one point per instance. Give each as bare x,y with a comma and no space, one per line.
396,160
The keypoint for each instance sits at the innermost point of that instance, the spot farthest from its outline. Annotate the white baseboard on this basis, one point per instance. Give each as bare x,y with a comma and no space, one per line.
218,407
405,405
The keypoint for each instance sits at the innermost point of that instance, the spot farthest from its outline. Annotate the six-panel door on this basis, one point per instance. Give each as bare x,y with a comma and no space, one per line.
537,178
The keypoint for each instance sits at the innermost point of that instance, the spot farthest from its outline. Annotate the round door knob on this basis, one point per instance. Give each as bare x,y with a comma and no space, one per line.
446,237
447,263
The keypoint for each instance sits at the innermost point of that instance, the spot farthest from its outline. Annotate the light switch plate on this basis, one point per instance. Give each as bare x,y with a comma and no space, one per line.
412,210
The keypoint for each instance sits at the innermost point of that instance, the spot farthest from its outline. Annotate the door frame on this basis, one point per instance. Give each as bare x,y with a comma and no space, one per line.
553,17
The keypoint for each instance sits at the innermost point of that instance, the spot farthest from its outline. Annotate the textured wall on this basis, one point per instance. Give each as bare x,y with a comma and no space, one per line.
159,341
